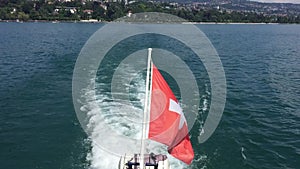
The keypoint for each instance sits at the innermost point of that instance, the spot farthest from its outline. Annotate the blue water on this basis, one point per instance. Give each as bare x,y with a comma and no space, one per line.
259,129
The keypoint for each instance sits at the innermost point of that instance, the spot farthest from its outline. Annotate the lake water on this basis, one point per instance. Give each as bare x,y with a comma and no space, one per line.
259,129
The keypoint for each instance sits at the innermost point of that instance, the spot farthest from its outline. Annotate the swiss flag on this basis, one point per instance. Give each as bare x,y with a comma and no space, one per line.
167,122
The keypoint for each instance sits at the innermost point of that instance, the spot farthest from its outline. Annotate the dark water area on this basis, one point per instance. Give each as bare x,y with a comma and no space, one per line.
260,126
259,129
39,128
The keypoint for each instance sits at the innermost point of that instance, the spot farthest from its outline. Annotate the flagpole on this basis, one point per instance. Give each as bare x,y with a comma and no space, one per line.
142,165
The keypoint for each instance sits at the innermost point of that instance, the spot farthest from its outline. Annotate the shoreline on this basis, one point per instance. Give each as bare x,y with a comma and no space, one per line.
54,21
187,23
214,23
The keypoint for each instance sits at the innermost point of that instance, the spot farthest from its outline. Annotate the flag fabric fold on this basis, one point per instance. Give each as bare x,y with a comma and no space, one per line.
167,123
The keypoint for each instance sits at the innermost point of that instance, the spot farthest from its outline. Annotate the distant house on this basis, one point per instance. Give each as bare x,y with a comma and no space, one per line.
13,11
88,11
72,10
129,13
115,1
131,2
65,0
104,6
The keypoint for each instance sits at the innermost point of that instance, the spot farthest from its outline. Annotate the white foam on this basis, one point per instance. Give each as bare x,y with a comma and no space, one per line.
104,111
243,154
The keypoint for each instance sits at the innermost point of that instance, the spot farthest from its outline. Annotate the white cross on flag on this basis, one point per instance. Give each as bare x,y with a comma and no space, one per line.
167,122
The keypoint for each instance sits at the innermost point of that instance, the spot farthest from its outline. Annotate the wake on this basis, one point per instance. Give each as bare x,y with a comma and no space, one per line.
106,115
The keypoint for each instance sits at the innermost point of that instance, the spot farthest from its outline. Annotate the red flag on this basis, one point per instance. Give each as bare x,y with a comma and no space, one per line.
167,122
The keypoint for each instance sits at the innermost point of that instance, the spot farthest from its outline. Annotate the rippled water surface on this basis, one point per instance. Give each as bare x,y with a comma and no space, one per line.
259,129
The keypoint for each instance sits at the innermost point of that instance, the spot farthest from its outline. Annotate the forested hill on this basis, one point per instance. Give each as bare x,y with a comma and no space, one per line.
225,11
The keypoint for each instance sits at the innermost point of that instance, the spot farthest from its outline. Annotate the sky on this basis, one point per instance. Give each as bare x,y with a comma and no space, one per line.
280,1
